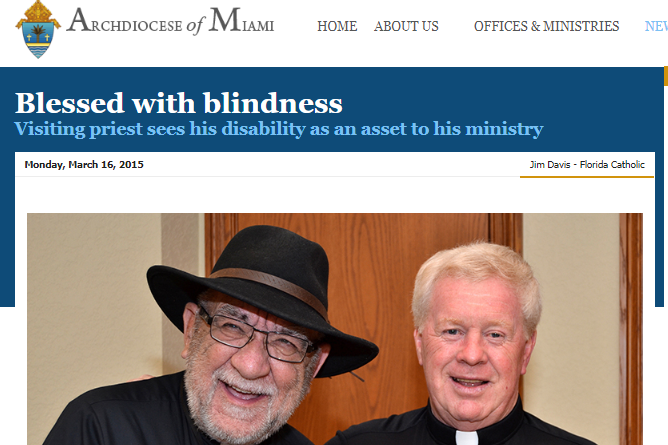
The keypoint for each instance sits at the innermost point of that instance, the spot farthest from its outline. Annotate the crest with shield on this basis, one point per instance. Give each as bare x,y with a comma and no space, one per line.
38,29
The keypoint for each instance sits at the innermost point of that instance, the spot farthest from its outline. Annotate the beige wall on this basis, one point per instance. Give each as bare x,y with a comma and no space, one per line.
87,272
182,248
573,377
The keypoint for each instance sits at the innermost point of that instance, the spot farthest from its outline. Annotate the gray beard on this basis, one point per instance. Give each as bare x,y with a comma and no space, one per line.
200,401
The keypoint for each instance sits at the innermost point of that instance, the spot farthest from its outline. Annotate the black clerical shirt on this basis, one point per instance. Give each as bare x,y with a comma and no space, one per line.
421,427
148,412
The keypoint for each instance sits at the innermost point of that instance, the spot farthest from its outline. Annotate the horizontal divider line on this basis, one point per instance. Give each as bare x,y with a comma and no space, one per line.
579,177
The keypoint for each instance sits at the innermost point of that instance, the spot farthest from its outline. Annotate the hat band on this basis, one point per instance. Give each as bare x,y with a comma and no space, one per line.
277,283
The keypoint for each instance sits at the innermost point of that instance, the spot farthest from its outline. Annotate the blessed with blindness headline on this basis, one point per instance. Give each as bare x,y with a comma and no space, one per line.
231,103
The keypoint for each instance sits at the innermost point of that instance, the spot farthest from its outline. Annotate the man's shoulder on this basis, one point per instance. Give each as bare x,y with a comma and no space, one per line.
382,430
155,389
394,424
148,411
537,428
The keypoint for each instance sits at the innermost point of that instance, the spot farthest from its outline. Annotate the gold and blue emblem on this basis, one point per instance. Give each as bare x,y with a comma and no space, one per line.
38,29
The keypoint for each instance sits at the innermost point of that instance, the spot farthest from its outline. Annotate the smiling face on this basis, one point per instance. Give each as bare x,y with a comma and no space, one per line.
473,349
241,396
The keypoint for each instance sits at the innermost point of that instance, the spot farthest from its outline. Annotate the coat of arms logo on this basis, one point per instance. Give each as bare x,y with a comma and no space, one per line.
38,28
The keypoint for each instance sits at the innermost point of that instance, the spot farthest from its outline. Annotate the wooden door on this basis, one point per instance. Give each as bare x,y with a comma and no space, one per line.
373,262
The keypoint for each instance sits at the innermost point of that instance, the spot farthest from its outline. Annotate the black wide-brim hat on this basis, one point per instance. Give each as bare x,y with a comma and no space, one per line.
276,271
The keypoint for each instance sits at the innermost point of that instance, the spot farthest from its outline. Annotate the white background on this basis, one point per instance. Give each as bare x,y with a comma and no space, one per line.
296,41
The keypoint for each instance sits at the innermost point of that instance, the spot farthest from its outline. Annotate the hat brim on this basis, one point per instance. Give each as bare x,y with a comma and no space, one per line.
173,288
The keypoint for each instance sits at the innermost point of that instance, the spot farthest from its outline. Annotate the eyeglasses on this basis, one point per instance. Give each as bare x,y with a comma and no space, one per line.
237,334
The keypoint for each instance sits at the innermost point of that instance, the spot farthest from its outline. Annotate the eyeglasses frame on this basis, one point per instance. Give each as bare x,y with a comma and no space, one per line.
209,320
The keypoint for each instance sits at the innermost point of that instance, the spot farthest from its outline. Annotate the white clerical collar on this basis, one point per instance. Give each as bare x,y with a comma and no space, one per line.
466,438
